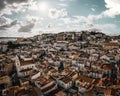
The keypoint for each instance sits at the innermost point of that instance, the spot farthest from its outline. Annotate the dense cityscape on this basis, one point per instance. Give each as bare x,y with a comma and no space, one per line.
62,64
59,47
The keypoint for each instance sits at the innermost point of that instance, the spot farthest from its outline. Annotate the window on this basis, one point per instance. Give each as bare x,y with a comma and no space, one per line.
77,84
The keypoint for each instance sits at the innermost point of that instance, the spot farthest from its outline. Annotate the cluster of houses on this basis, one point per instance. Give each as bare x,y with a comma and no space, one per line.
63,66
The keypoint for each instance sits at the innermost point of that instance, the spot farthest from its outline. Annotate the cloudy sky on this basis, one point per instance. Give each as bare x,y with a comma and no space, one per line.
31,17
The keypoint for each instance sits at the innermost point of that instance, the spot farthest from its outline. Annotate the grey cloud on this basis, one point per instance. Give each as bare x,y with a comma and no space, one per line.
9,5
26,28
8,25
49,25
16,1
14,23
3,20
2,4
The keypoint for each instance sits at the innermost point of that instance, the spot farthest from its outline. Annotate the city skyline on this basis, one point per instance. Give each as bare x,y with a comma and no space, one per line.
24,18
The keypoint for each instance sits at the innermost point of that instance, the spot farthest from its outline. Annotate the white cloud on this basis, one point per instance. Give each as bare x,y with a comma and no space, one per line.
32,18
57,13
62,0
74,20
63,5
33,6
93,9
107,28
66,20
66,0
113,8
82,19
93,18
88,24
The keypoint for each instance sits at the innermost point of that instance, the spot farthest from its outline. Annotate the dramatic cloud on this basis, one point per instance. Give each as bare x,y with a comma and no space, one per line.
33,6
7,23
15,1
9,6
26,28
113,8
55,13
4,20
19,17
2,4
